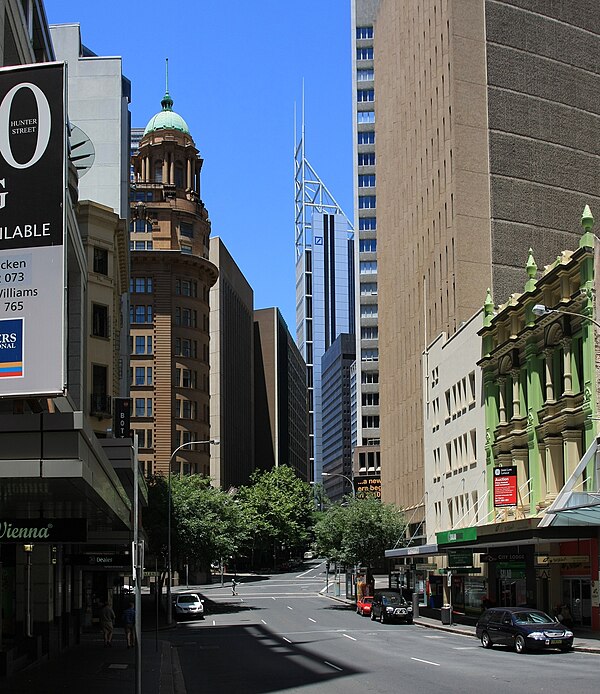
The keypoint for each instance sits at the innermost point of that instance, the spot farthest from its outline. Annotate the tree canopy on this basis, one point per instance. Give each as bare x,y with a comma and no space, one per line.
360,531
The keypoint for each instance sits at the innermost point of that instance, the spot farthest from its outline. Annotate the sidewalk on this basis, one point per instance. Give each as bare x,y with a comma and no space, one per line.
91,668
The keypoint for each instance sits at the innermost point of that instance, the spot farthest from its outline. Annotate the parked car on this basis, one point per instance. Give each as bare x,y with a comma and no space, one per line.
363,606
522,629
390,605
188,605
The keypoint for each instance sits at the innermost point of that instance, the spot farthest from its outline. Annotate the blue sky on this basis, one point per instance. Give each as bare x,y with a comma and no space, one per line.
235,73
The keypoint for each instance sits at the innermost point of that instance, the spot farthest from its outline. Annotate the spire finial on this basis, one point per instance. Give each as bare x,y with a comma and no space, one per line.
167,101
531,268
488,309
587,222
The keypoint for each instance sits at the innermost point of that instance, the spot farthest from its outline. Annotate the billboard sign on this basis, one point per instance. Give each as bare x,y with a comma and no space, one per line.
32,229
367,485
505,486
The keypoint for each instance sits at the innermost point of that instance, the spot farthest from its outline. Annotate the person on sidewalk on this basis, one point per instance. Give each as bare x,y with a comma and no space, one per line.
107,624
233,585
129,624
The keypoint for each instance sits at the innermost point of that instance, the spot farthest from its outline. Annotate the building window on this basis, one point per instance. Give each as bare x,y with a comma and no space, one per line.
364,95
186,317
365,117
364,32
179,176
188,378
99,320
186,249
141,226
369,377
368,311
364,53
370,399
366,137
368,267
186,229
186,288
370,422
367,223
140,314
158,172
366,180
367,202
365,75
99,387
368,289
366,159
143,407
101,261
367,245
141,285
186,348
369,332
140,245
369,355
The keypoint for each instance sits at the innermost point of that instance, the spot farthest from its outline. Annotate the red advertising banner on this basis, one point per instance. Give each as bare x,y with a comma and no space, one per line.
505,486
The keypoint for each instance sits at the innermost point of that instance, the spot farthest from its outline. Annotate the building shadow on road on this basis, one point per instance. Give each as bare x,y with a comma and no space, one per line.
252,659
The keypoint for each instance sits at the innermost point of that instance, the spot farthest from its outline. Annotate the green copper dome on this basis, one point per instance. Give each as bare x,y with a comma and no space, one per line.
167,119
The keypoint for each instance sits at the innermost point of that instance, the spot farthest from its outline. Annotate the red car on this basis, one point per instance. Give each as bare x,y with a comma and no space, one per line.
363,606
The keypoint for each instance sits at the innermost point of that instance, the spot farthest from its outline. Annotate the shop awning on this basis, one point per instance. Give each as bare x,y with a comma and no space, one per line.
572,508
417,551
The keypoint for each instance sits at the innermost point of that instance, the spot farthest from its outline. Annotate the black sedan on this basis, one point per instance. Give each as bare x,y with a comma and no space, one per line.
523,629
389,605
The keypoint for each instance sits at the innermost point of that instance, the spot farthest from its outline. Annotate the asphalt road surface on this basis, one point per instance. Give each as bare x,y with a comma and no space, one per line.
282,634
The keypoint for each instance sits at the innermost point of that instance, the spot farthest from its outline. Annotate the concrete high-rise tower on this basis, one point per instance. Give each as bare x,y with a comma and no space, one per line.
486,144
366,436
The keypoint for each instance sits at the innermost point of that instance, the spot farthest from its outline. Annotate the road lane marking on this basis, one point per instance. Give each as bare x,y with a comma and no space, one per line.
434,637
349,637
464,648
290,608
310,619
302,575
263,621
428,662
335,667
323,590
286,639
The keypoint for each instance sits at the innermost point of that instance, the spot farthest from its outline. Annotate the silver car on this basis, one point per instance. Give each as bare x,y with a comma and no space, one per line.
189,605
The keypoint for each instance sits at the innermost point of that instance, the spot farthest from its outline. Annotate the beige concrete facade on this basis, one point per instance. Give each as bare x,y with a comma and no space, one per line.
472,170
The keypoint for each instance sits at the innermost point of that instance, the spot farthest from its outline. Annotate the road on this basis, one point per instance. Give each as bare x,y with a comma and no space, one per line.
280,634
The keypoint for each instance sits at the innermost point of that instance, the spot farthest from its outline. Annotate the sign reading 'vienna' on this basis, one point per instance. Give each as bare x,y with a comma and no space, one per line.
43,530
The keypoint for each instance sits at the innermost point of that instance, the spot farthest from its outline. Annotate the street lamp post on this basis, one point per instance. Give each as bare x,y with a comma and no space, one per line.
541,310
215,442
339,474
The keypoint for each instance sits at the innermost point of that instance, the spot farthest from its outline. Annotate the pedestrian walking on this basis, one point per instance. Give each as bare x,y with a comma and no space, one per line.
129,624
233,585
107,624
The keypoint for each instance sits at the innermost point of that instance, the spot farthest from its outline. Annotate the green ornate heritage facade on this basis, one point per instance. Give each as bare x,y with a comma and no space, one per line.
539,379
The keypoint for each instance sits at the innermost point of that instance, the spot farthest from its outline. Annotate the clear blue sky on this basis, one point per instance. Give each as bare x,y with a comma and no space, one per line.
235,73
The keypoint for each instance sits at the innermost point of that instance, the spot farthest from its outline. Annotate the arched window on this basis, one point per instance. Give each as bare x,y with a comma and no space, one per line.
158,171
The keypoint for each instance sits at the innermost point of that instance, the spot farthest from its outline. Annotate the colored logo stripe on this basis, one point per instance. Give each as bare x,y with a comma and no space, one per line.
11,368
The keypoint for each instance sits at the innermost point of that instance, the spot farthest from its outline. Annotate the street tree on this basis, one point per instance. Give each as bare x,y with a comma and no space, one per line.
359,531
278,509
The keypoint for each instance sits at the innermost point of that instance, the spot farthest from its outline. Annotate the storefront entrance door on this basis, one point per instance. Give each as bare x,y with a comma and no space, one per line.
577,594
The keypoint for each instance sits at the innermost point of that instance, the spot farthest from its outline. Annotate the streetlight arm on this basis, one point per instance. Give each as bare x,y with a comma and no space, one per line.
541,310
339,474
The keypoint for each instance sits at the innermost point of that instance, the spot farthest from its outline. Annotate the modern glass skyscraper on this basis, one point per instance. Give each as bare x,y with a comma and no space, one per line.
324,283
